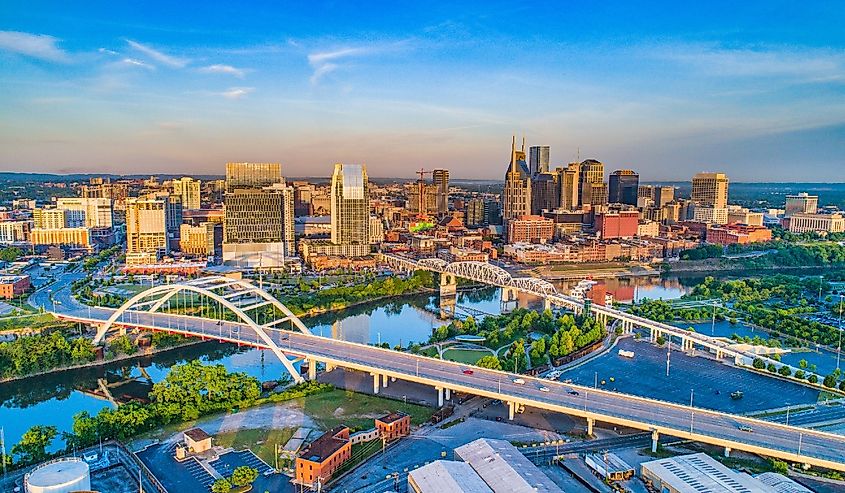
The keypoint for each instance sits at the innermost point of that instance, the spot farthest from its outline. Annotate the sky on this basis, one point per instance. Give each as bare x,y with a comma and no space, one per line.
754,89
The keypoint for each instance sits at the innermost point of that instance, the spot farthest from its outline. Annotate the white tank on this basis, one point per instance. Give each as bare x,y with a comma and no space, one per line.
59,476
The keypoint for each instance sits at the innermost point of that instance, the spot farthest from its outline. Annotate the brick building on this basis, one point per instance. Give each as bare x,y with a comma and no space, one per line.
394,425
323,457
11,286
530,229
738,234
622,224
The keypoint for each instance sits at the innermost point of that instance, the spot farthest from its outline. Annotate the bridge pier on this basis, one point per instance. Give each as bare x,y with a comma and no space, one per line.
727,451
590,423
439,396
384,381
329,367
448,394
654,437
448,284
509,299
375,383
547,304
511,410
312,369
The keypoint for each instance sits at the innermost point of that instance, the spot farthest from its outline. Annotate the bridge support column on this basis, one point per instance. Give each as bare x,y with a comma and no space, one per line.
329,367
384,381
590,423
547,304
511,410
727,451
654,437
448,394
375,382
439,396
312,369
448,284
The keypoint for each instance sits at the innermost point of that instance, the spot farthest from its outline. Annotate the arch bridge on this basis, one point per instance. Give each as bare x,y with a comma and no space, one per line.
214,300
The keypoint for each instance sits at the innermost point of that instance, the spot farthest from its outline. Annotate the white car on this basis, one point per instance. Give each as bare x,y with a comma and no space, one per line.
519,381
544,389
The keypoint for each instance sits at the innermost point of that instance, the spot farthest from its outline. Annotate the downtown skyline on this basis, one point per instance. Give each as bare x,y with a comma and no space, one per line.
666,90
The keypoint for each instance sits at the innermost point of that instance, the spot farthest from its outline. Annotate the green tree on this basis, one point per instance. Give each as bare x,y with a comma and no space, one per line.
780,467
244,475
34,443
813,379
829,381
758,363
222,485
491,362
785,371
772,368
803,364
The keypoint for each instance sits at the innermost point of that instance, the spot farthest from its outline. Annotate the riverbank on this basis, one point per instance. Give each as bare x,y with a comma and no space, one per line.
725,265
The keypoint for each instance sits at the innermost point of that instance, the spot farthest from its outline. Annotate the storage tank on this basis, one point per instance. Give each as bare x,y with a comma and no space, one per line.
59,476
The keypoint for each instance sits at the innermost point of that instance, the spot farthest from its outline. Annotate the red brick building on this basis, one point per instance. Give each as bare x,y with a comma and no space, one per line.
11,286
732,234
323,457
622,224
393,426
530,229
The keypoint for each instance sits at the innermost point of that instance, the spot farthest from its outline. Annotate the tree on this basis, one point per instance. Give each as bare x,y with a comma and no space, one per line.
785,371
222,485
244,475
33,445
803,364
491,362
799,374
842,385
829,381
813,379
772,368
758,363
780,467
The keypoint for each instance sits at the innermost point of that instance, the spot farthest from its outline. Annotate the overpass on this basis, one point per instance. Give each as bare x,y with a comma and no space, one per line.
490,274
212,299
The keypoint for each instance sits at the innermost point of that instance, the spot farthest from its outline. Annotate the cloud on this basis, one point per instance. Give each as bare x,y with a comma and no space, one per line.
107,51
137,63
326,62
236,92
158,56
223,69
39,46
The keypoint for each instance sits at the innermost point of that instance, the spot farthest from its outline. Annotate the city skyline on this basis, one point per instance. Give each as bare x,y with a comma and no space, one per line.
86,92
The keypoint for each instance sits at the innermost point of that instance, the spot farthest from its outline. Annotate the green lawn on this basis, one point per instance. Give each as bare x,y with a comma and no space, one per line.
468,356
261,442
330,409
34,321
135,288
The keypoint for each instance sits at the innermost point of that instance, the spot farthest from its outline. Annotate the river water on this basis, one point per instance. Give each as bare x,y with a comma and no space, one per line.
54,399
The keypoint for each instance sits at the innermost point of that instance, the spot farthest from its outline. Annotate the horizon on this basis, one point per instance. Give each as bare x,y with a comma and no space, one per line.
667,90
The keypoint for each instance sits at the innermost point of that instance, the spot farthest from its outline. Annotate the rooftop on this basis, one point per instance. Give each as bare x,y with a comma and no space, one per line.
700,473
504,468
325,446
448,477
392,417
197,434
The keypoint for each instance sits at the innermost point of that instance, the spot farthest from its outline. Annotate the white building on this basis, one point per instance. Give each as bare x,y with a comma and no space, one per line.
86,212
710,215
504,468
819,223
443,476
699,473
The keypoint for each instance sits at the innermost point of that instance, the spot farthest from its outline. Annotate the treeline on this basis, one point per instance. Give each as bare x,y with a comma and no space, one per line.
32,354
662,311
337,298
783,254
789,289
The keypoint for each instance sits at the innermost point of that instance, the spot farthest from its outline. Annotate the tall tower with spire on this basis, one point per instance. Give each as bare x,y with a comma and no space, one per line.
517,194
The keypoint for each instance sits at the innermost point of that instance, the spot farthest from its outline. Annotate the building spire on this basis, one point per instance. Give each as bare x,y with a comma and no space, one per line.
513,153
523,142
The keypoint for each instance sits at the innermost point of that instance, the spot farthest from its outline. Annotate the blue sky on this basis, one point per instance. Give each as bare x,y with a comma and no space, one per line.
666,88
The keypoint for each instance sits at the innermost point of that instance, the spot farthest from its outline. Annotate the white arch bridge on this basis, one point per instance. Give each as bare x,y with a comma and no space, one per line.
238,312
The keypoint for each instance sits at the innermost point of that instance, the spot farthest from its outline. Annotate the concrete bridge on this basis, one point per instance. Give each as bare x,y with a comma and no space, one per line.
237,312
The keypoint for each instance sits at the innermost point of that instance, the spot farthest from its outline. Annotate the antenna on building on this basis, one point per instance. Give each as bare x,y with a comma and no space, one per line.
579,154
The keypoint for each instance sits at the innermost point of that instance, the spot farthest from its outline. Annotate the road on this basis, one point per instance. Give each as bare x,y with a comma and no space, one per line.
720,429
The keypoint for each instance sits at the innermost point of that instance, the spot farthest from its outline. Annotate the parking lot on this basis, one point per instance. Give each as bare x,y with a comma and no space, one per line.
710,382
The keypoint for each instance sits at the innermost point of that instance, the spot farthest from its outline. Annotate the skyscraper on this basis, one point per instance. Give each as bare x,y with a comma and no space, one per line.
803,203
87,212
591,173
569,186
350,205
517,193
545,192
622,187
189,189
146,229
258,219
440,177
710,190
538,159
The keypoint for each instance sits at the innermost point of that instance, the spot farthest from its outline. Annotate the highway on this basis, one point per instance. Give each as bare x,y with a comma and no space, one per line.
720,429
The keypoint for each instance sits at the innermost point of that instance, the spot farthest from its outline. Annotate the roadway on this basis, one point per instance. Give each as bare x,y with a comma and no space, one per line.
715,428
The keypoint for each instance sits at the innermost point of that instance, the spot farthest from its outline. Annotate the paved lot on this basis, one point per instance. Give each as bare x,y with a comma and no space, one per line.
712,382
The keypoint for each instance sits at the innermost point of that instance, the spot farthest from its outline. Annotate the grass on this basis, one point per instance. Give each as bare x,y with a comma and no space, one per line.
134,288
262,442
468,356
34,321
330,409
360,453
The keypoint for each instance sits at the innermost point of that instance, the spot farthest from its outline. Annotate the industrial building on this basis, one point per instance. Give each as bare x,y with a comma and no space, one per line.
442,476
65,475
504,468
699,473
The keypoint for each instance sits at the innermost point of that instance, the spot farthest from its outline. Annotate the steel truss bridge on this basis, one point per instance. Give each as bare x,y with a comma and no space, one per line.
235,311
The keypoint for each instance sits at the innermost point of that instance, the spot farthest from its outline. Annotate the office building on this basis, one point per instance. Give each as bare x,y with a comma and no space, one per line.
49,218
75,238
710,190
15,231
422,198
146,228
738,234
802,203
393,426
517,194
252,175
710,215
623,186
595,195
302,195
569,187
697,473
741,215
591,173
440,177
482,211
258,226
545,192
538,159
350,205
816,223
11,286
621,224
83,212
530,229
204,239
189,190
319,460
663,195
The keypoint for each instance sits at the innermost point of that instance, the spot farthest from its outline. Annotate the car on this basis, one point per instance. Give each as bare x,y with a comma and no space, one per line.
519,381
544,389
572,392
468,372
746,428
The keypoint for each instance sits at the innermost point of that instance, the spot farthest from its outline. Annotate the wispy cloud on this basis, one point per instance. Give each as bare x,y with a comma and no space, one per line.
137,63
159,56
223,69
40,46
107,51
326,62
236,92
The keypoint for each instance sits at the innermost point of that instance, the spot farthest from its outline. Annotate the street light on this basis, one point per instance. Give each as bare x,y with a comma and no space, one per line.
691,409
839,346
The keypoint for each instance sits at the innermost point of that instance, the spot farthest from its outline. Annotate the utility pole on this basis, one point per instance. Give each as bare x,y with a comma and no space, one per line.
668,352
691,409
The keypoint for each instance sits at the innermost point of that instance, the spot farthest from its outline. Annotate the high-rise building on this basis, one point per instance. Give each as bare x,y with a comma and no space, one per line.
258,227
421,205
146,227
538,159
569,186
663,195
623,187
517,193
545,192
802,203
87,212
302,195
591,173
189,190
204,239
350,205
594,194
440,177
710,190
252,175
49,218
